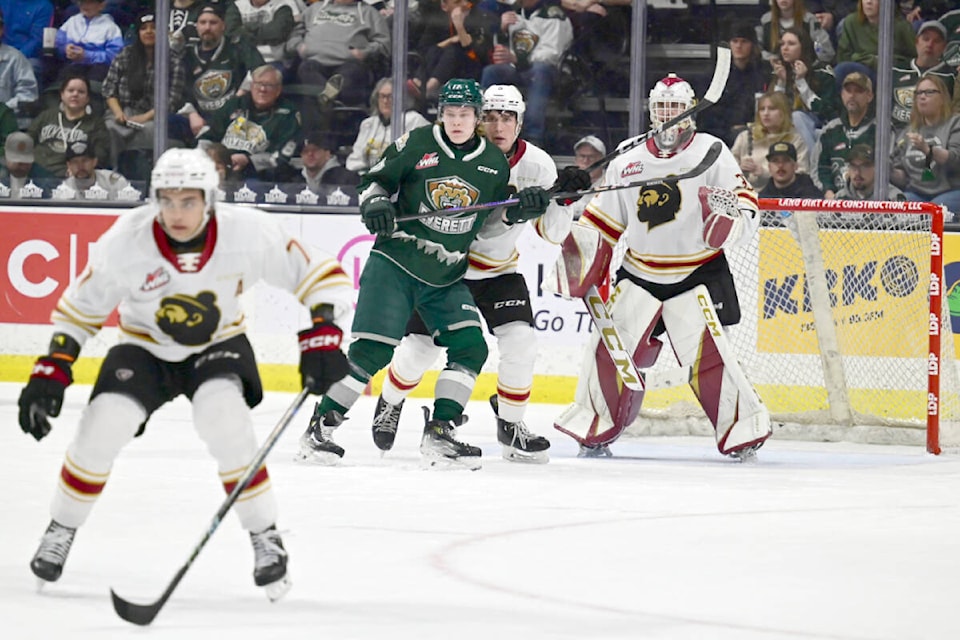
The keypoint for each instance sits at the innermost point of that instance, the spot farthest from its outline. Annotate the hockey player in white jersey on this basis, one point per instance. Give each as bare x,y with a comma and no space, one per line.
176,268
674,279
499,290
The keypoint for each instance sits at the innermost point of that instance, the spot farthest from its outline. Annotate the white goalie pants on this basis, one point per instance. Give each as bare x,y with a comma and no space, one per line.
109,422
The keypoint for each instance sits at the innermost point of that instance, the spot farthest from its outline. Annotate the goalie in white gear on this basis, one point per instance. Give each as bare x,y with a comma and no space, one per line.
499,290
674,279
176,267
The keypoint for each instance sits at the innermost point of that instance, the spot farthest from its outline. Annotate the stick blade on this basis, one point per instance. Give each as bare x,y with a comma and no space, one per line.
721,72
141,614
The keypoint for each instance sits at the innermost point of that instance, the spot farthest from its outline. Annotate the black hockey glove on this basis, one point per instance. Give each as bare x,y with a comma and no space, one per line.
322,362
379,215
533,202
571,179
43,395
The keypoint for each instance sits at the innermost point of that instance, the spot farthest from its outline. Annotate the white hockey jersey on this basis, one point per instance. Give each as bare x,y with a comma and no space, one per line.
494,252
175,305
664,222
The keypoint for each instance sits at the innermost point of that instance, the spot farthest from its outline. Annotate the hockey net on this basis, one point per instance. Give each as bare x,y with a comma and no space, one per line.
845,331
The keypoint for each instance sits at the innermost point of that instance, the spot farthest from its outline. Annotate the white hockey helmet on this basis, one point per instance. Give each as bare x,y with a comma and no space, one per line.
186,169
505,97
670,97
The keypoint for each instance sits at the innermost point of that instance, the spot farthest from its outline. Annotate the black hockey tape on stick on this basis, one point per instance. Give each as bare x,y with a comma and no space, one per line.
720,74
143,614
709,158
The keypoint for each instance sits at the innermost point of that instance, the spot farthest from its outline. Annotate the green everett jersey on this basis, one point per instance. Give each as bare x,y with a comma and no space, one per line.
428,173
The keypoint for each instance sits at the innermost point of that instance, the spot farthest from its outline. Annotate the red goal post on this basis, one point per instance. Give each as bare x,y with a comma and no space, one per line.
845,331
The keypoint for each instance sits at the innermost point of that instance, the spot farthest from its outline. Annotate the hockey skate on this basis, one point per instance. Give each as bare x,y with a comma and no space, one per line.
594,451
386,419
747,455
316,443
440,447
270,563
47,562
519,445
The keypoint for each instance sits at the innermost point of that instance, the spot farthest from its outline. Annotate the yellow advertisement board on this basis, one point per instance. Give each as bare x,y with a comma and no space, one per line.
871,278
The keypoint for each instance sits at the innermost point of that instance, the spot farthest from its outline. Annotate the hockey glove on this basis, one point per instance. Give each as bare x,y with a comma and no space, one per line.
533,203
722,220
379,215
571,179
322,362
43,395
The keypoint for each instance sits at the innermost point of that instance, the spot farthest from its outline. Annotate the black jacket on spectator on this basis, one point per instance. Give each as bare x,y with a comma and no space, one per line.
802,187
738,103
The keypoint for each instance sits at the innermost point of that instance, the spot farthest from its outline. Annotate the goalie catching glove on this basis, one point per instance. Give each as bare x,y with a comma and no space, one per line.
571,179
322,362
379,215
533,203
722,219
43,395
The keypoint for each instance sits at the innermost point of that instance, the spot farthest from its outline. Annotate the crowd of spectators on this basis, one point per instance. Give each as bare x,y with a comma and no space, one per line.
297,94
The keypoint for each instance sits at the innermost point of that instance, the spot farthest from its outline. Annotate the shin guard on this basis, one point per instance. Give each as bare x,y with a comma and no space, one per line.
603,407
739,417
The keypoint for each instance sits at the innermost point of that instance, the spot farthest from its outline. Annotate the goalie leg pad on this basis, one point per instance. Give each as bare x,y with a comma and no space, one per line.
603,407
583,262
739,417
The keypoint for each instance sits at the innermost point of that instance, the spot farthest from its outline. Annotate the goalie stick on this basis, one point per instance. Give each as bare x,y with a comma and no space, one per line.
709,158
143,614
610,337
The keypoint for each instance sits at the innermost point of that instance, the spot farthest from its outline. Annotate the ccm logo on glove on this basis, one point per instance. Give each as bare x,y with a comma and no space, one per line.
321,338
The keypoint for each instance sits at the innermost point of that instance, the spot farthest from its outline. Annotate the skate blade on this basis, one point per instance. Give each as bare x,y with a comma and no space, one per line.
41,583
317,458
278,589
745,456
602,452
437,462
525,457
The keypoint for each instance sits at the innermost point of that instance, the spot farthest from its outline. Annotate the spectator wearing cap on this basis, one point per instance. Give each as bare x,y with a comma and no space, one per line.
19,168
856,124
218,68
772,125
861,177
374,135
588,151
260,128
70,121
860,34
931,43
927,153
128,92
748,78
18,83
321,168
183,21
24,21
785,181
89,40
83,175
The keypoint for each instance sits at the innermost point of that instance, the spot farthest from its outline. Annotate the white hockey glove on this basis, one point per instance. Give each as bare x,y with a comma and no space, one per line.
722,220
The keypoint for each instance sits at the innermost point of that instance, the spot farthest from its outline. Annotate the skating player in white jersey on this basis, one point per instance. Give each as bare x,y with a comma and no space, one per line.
176,268
499,290
674,279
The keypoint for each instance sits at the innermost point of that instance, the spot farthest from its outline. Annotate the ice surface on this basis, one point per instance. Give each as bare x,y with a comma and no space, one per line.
666,540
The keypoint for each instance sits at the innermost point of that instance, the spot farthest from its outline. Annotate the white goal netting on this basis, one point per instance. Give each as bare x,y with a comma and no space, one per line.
845,332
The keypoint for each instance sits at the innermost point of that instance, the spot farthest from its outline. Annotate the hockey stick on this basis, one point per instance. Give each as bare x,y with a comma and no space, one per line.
143,614
709,158
720,74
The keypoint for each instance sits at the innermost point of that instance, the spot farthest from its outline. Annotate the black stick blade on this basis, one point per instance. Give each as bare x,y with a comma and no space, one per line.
141,614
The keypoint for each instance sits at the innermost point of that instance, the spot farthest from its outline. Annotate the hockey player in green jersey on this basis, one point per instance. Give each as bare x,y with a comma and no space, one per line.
419,265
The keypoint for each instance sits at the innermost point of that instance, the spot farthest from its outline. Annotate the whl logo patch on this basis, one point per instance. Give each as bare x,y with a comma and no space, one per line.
428,160
155,280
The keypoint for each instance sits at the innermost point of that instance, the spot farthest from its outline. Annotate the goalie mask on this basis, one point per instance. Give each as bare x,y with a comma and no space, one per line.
186,169
505,97
669,98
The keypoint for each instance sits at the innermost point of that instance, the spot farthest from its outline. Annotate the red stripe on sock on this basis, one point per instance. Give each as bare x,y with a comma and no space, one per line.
80,486
259,478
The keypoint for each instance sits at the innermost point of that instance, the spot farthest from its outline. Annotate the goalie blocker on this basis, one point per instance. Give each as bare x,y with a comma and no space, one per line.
603,407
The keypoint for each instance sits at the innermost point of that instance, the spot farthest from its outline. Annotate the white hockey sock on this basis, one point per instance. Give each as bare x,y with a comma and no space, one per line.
415,354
